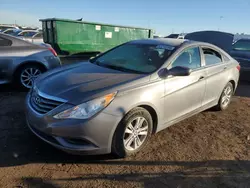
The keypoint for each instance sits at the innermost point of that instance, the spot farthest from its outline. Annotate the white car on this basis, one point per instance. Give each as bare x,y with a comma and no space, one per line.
27,33
37,38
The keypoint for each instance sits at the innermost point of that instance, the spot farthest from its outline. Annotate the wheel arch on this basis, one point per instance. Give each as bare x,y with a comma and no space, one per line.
153,114
26,63
233,83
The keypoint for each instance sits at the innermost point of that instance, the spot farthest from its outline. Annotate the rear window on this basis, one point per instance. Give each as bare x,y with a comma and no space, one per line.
242,45
212,57
5,42
38,35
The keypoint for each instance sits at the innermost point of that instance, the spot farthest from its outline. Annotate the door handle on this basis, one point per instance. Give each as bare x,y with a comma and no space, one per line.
225,67
201,78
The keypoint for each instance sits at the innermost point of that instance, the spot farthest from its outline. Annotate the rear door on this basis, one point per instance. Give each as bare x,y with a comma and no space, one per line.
216,66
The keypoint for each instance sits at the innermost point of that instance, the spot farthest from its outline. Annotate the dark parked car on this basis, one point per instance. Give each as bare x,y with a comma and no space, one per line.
22,62
173,36
241,52
114,102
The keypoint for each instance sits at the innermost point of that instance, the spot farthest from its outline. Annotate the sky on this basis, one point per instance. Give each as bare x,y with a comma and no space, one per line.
164,16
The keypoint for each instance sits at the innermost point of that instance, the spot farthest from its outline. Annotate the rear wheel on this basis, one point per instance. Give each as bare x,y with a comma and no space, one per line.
132,132
225,97
26,75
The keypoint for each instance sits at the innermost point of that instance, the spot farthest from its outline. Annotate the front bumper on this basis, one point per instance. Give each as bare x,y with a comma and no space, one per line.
83,137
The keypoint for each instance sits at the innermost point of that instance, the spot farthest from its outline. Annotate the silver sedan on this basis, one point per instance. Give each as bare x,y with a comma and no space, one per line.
22,62
117,100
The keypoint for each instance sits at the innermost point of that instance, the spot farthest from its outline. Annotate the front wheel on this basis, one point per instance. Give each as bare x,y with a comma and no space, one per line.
225,97
132,132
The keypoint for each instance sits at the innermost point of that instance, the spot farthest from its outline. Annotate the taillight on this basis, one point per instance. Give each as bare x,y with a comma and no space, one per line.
238,67
53,51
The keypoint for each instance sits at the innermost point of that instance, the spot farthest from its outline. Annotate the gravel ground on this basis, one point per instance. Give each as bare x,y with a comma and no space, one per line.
208,150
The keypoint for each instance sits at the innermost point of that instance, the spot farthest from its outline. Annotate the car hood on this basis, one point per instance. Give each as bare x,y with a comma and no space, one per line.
80,82
225,39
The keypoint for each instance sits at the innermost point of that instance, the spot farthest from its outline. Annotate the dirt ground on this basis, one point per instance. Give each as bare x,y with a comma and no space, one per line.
211,149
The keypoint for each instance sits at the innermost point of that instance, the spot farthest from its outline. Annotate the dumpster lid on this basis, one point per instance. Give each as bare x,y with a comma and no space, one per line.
94,23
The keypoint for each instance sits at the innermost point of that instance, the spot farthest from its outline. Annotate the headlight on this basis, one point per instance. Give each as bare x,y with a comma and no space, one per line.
88,109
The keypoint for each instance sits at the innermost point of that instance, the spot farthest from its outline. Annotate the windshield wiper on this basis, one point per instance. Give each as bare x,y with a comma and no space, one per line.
94,62
121,69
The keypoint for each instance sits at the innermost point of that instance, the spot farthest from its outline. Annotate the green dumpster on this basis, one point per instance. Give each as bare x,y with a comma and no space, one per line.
69,37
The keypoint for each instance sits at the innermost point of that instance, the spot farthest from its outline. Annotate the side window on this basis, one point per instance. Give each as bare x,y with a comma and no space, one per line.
38,35
242,45
211,56
5,42
26,34
190,58
31,34
21,34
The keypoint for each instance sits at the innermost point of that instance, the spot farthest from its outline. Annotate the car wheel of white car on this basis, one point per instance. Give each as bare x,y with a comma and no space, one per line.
26,76
132,133
225,97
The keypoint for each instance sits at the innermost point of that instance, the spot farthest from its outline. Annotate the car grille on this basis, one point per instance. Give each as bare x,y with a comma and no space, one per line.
41,104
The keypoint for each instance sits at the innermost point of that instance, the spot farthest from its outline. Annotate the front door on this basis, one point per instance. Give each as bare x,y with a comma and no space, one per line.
184,94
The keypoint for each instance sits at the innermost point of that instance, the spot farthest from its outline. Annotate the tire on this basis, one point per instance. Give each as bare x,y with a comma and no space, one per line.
121,138
221,106
22,74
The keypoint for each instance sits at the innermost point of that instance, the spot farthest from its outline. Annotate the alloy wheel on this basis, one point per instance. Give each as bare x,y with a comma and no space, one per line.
28,76
135,133
227,94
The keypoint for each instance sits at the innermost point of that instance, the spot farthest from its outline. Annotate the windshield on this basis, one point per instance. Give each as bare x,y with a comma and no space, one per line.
139,58
16,32
10,32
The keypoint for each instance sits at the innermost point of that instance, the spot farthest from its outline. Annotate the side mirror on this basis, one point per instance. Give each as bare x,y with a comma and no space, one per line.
180,71
175,71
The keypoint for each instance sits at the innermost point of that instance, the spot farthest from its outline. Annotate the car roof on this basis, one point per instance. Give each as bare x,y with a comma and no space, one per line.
8,26
29,31
169,41
10,29
160,41
176,43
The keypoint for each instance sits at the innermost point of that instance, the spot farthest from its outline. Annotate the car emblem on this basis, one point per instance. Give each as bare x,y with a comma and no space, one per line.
38,100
